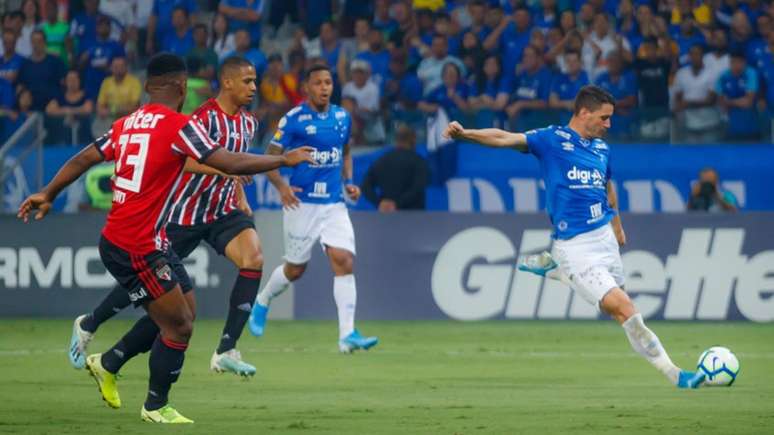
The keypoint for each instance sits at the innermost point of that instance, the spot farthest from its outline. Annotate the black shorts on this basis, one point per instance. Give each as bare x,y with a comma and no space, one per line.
146,277
218,234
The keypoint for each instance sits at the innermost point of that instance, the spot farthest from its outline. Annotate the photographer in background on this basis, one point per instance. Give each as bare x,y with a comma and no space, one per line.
706,194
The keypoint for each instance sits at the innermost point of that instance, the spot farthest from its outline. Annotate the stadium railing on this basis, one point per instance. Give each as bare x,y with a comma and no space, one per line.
23,150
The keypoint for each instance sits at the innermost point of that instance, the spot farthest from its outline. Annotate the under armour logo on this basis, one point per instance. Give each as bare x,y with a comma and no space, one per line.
247,307
118,353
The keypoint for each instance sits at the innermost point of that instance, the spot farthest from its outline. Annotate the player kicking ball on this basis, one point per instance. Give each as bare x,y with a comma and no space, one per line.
150,147
208,206
313,205
581,202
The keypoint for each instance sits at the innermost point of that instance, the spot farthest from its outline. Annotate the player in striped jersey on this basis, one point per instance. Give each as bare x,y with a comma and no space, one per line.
150,148
208,206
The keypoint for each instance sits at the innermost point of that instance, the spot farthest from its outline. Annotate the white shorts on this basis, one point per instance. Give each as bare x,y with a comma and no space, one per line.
592,263
328,223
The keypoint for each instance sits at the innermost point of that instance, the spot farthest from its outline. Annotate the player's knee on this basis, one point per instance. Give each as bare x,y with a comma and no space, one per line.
293,271
252,260
344,263
182,326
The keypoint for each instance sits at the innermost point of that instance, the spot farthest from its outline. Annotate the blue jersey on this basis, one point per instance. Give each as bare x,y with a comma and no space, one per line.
575,171
740,121
328,133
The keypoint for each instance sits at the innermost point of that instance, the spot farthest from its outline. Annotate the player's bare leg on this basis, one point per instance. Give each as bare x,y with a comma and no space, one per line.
345,294
619,306
244,251
278,283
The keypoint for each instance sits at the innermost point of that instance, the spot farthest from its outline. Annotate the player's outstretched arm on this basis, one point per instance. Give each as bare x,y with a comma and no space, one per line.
492,137
195,167
287,192
70,172
248,164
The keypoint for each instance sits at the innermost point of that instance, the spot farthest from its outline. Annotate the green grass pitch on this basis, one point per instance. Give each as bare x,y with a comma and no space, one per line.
424,378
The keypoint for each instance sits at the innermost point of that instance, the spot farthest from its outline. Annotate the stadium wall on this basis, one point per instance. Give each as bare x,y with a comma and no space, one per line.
430,266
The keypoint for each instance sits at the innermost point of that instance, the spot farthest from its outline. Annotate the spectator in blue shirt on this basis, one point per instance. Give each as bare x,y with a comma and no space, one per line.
511,36
382,19
757,49
83,28
180,40
566,85
688,36
96,57
243,49
530,92
622,84
766,70
736,89
546,16
10,62
451,95
376,56
477,11
489,92
42,73
244,14
160,22
7,113
402,88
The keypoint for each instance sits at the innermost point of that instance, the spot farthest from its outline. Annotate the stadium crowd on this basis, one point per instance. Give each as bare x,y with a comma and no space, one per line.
689,70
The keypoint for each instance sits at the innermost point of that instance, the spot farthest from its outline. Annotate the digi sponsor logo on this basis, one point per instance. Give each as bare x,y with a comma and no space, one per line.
585,176
474,277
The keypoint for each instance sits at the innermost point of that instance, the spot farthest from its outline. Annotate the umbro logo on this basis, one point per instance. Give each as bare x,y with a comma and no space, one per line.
568,146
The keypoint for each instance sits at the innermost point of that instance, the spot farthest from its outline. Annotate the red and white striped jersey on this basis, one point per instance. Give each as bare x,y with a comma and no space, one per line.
201,199
149,147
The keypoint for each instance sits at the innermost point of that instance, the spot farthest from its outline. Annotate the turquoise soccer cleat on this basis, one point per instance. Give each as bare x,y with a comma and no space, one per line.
79,342
231,362
257,321
690,379
355,341
539,264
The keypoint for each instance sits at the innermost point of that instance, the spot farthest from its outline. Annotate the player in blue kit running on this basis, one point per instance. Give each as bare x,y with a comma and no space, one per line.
581,202
314,206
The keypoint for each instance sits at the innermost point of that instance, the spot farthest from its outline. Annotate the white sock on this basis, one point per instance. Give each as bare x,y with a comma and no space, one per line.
275,286
557,274
346,298
647,344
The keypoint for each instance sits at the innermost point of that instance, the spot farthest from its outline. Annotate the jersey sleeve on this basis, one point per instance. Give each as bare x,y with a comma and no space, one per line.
539,141
105,144
193,142
283,137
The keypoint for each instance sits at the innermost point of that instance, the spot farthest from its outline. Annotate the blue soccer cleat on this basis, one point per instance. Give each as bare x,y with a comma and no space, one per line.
690,379
355,341
257,321
79,342
539,264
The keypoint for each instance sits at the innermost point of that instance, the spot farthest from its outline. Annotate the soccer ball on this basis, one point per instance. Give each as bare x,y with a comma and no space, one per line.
720,365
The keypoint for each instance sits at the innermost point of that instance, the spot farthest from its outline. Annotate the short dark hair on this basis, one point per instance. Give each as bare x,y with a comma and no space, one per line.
274,57
201,26
233,62
575,52
591,97
738,54
317,67
165,63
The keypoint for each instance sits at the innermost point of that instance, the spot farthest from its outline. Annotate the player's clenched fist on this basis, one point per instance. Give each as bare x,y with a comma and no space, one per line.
453,130
39,202
299,155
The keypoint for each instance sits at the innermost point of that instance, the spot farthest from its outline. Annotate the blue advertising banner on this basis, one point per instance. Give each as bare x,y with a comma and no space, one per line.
463,266
471,178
